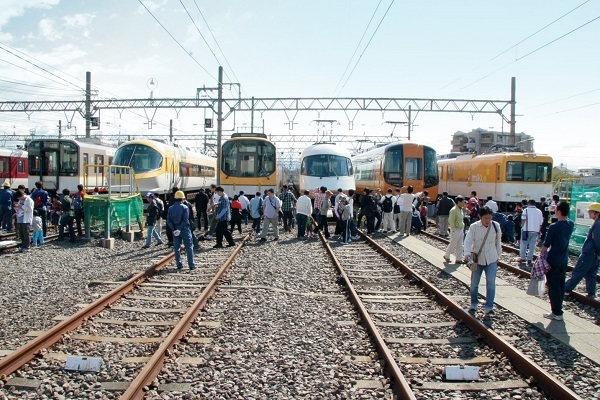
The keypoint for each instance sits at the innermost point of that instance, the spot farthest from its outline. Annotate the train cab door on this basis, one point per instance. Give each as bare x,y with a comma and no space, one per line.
50,167
497,177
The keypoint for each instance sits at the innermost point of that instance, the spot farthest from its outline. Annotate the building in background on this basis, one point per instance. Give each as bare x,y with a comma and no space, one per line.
483,141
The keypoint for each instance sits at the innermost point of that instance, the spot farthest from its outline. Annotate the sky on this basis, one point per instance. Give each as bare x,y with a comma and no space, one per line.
283,49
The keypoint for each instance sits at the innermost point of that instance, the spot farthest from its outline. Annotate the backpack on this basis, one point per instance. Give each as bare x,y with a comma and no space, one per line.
78,203
37,201
160,206
397,205
387,205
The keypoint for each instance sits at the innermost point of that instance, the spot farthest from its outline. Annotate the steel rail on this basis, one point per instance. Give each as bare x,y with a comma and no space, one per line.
27,352
582,298
547,382
152,369
401,387
49,238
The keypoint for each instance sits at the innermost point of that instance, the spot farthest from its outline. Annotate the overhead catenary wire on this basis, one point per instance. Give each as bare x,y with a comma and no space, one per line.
357,47
564,98
176,41
366,47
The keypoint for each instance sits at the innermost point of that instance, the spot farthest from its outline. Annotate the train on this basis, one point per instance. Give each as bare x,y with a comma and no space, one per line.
507,177
159,166
59,164
248,163
13,167
326,164
395,165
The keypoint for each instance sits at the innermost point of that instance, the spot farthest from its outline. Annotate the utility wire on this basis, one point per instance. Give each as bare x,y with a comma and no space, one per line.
176,41
564,98
539,30
367,46
357,47
570,109
558,38
216,42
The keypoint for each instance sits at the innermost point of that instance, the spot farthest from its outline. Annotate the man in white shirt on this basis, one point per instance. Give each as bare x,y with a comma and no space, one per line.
271,207
406,200
531,224
492,204
303,212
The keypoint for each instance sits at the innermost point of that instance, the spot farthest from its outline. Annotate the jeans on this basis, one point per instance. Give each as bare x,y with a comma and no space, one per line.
185,236
152,232
6,214
555,279
66,220
527,247
353,230
288,216
273,223
490,285
256,224
301,218
222,231
345,231
586,267
38,238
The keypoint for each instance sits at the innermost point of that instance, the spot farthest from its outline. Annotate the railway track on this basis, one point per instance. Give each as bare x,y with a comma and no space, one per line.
15,246
418,330
121,319
581,298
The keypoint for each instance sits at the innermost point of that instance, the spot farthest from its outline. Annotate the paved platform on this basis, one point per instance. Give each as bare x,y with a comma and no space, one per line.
574,331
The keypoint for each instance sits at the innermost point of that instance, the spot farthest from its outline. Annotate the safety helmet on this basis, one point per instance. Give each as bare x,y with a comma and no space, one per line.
179,195
594,207
6,184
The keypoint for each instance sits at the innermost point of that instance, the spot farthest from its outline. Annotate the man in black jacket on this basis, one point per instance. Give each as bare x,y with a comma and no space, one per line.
201,206
443,208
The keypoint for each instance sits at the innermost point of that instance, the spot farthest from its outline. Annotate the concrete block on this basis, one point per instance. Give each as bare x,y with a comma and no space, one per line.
108,243
128,236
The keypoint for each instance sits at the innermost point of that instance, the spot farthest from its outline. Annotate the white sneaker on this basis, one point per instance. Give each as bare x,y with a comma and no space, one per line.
554,317
209,236
344,243
357,237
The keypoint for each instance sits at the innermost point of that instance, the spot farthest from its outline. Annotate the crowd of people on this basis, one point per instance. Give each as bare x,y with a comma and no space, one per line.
22,211
477,232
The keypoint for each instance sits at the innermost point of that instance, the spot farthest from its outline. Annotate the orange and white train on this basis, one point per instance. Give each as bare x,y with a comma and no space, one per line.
507,177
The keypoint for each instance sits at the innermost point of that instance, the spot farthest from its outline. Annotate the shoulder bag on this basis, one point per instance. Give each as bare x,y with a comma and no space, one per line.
473,263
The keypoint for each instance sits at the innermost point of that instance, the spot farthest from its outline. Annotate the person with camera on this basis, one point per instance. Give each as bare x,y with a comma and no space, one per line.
483,247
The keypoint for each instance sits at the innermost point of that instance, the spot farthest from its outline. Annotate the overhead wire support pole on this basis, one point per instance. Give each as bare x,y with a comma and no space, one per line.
88,104
219,123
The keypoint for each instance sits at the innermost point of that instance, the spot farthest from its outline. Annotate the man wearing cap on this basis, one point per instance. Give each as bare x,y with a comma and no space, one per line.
151,219
178,221
587,263
6,206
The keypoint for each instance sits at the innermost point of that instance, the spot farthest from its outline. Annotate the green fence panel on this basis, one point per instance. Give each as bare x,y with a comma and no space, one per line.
581,197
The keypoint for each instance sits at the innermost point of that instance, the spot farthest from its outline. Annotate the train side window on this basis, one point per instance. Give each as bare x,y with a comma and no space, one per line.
497,172
3,164
100,161
85,158
68,159
20,166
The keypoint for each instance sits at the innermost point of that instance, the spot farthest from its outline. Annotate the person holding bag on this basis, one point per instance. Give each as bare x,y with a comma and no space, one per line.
483,247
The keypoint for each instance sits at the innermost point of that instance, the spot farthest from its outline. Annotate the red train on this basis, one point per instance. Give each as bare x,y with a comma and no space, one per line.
13,167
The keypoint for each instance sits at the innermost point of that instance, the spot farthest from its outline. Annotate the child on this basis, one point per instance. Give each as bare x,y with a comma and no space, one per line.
310,223
36,225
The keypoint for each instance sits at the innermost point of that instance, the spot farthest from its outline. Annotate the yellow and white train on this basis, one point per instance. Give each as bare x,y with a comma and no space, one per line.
158,167
507,177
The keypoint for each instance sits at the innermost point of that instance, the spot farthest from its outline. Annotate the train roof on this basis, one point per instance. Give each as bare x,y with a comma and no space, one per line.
161,147
494,156
13,152
382,148
325,148
79,143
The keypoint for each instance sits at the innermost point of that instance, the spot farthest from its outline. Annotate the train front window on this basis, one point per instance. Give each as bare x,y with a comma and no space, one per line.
68,159
528,171
414,169
248,158
323,165
431,170
393,170
140,157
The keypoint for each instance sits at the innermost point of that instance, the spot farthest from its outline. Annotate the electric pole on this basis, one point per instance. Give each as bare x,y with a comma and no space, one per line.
219,124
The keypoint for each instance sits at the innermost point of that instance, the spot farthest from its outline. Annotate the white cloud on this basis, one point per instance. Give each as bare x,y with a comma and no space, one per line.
16,8
151,5
48,31
81,22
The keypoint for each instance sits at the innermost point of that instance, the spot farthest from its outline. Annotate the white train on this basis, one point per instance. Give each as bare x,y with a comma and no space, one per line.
326,164
59,164
158,167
